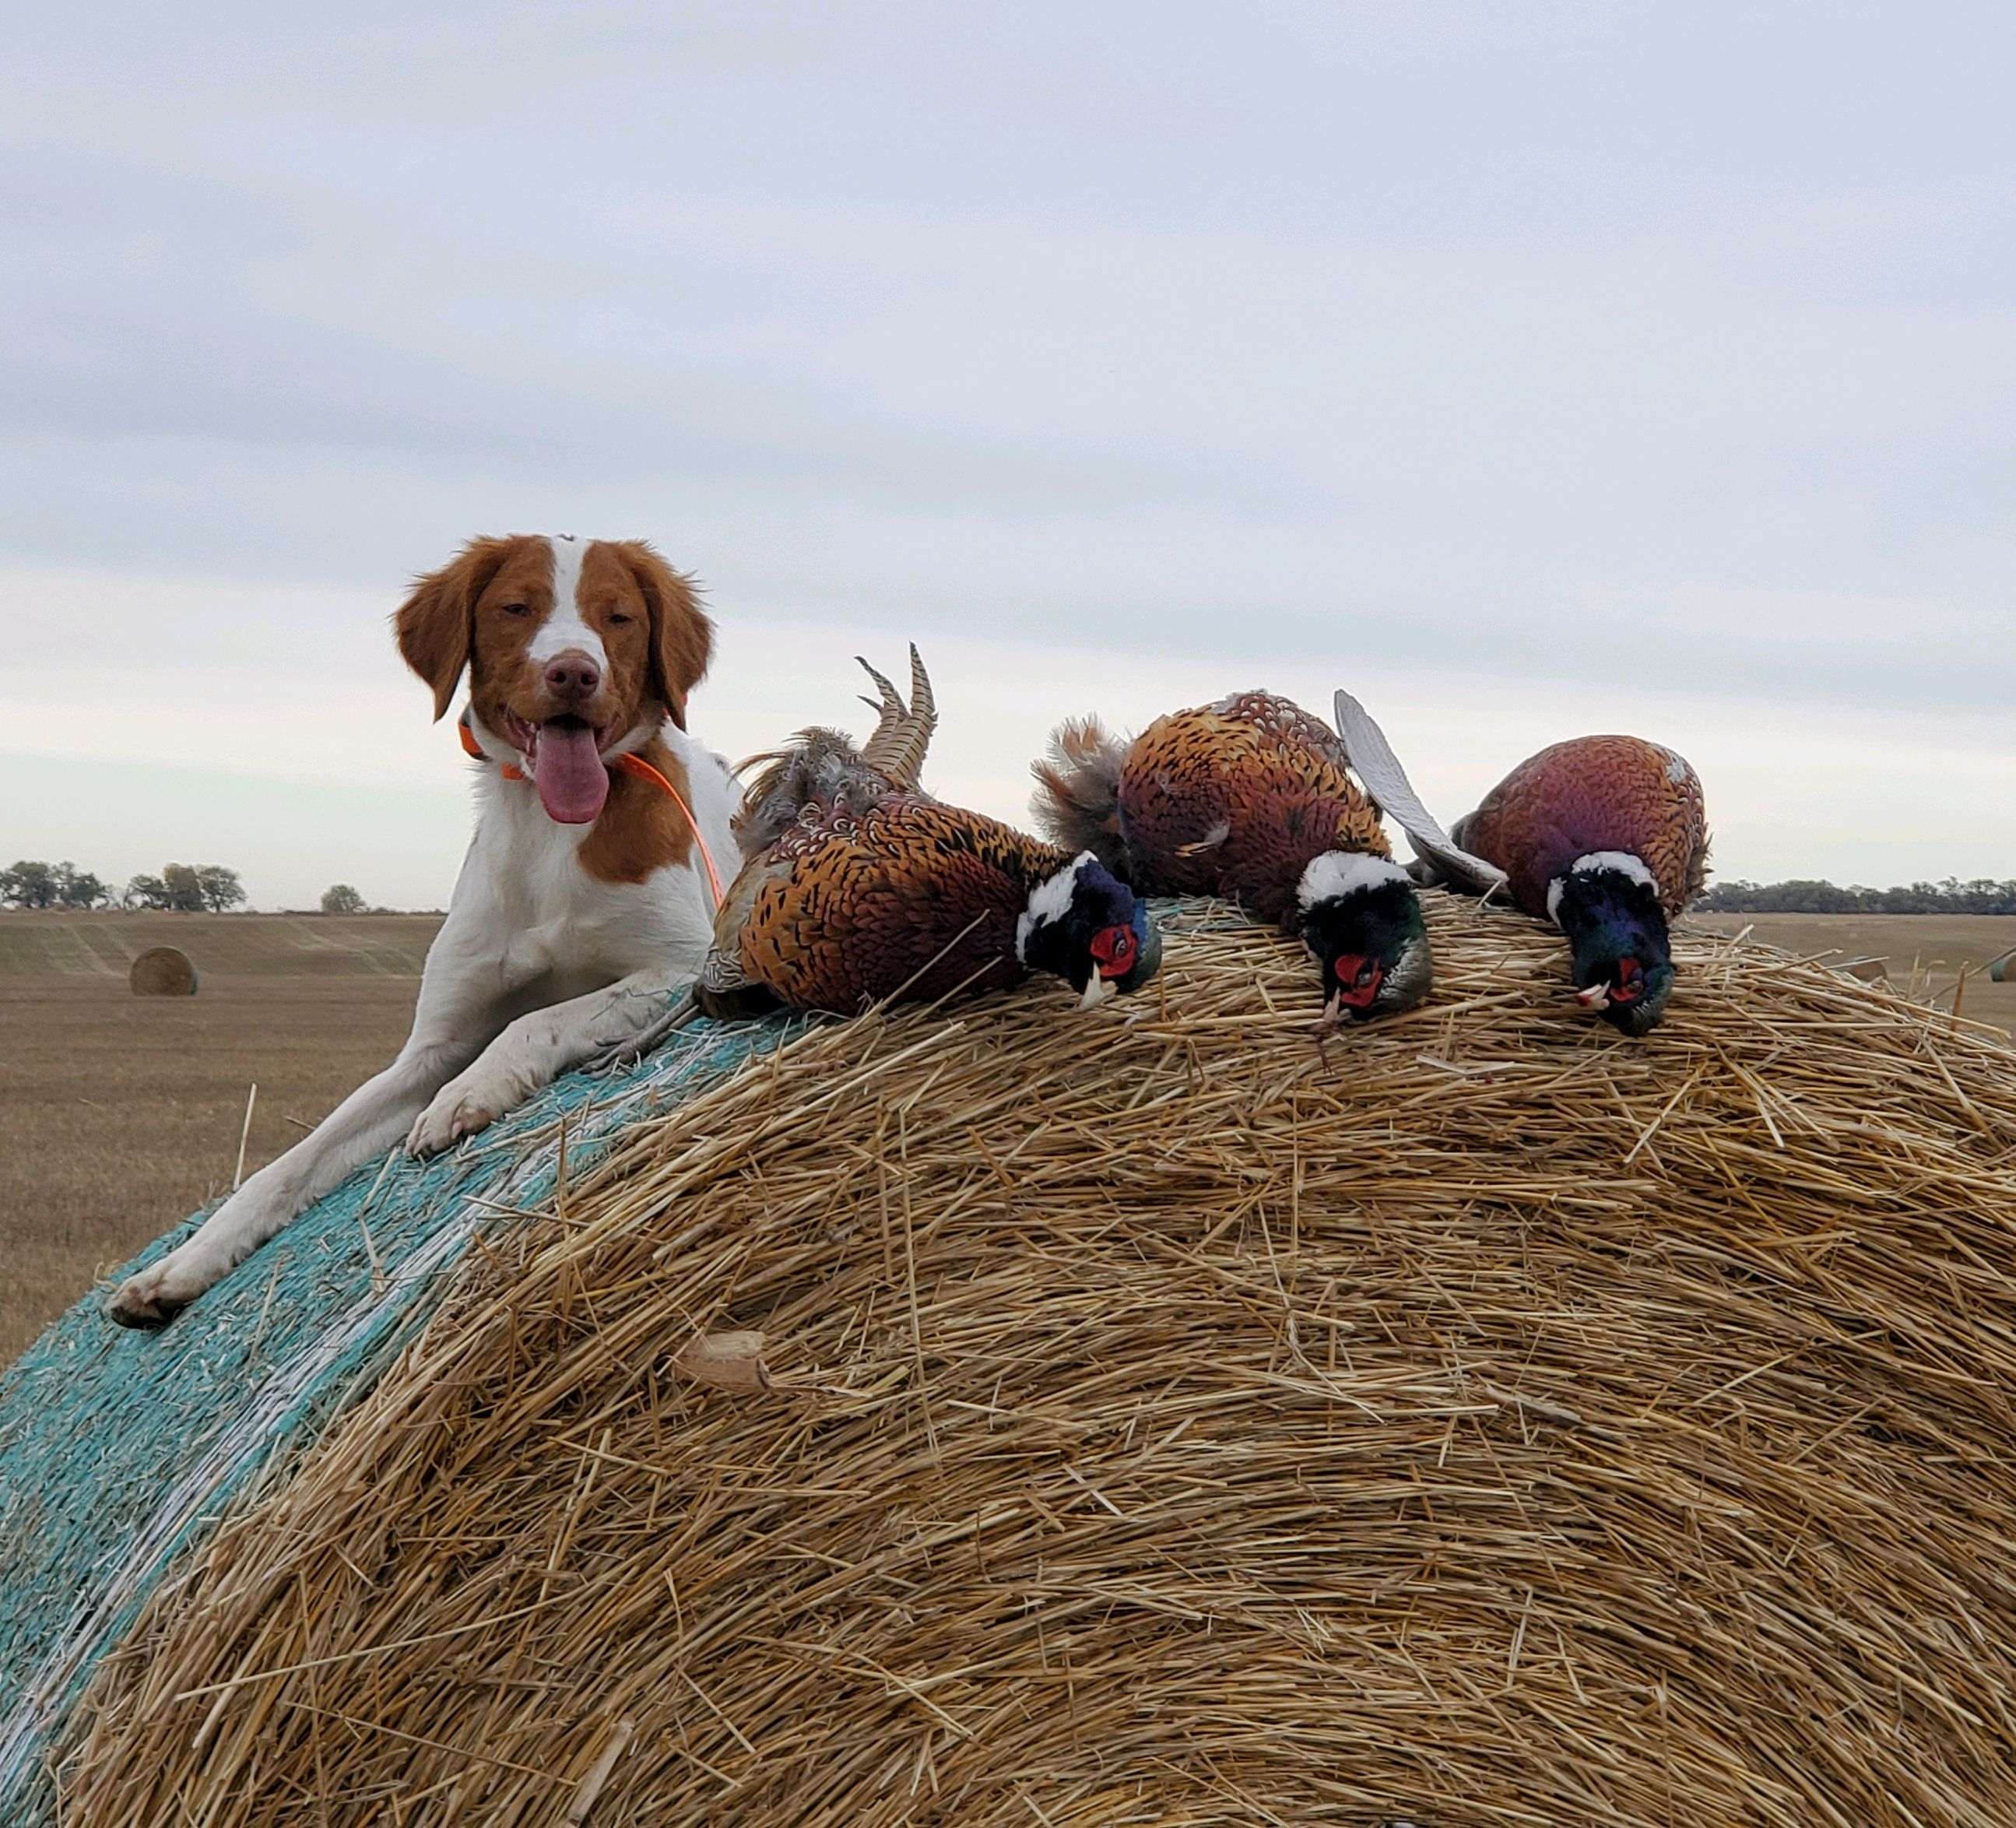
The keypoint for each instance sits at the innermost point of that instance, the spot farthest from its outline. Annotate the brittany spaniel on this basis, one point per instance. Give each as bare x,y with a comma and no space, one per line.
583,907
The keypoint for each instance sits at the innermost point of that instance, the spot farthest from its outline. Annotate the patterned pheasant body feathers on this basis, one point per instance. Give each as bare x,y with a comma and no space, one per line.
910,896
1237,798
1592,794
858,888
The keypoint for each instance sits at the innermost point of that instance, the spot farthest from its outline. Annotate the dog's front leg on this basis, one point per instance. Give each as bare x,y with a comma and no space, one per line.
537,1048
366,1123
455,1019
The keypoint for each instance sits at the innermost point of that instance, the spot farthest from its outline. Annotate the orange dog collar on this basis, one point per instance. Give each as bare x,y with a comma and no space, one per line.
635,765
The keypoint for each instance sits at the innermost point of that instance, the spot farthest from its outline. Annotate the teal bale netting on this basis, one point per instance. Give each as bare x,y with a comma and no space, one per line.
119,1452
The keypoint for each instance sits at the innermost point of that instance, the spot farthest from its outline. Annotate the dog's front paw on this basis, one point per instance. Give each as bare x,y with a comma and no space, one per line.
153,1298
461,1108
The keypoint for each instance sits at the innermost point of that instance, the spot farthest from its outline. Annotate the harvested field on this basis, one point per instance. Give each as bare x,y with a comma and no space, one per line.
1155,1421
123,1113
43,948
1927,953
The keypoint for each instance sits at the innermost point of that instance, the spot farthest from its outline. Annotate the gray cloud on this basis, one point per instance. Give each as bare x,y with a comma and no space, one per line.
1573,345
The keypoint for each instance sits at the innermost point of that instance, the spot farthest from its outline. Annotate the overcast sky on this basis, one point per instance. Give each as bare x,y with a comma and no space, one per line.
1531,369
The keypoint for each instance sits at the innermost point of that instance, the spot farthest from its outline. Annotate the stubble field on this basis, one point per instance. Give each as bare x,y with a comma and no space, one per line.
1927,954
119,1114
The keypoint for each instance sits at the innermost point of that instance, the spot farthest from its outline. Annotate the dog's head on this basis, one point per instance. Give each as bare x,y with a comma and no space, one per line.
573,647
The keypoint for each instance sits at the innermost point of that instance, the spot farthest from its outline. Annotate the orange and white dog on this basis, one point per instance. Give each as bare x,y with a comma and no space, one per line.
586,903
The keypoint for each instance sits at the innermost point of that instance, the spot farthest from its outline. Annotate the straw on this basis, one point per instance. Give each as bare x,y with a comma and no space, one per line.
163,971
244,1136
995,1415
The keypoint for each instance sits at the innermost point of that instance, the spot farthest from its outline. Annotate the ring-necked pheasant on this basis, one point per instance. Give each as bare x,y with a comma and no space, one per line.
1254,798
1606,836
859,887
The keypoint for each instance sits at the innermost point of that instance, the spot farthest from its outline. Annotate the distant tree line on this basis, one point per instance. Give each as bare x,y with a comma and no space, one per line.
211,889
187,889
33,884
180,888
1951,896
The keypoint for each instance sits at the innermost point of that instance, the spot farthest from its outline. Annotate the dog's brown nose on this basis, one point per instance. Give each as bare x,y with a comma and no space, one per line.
572,676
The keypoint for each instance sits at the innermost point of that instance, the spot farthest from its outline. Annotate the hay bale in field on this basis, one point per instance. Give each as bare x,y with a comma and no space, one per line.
119,1454
163,971
986,1417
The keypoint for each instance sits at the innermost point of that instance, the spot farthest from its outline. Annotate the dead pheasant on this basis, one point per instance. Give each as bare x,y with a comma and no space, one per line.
858,887
1253,799
1607,836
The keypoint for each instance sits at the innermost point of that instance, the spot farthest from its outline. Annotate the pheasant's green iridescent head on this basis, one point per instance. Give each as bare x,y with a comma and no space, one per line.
1608,906
1361,919
1085,926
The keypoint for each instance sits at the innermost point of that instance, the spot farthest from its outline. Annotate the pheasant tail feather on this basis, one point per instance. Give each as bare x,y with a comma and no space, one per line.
1077,801
904,732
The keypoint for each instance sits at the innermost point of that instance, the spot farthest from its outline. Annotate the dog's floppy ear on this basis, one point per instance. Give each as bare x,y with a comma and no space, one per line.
436,625
682,637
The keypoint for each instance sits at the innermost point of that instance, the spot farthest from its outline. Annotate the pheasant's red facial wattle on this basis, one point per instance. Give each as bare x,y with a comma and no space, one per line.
1625,984
1114,948
1358,980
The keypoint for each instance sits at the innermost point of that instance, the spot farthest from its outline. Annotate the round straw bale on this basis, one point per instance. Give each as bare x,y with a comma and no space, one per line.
163,971
999,1415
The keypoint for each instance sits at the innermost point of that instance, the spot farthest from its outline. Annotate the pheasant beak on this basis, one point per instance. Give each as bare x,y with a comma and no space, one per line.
1625,985
1097,991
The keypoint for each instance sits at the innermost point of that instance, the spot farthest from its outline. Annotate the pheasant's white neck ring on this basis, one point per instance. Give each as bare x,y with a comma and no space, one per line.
1338,873
1616,863
1050,901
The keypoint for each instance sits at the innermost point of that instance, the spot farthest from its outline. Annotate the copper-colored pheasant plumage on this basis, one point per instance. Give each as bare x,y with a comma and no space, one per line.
1253,799
1234,799
1607,836
1589,794
860,887
908,896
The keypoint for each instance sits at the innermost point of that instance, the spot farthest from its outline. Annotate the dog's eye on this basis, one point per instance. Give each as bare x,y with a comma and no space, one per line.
518,609
619,618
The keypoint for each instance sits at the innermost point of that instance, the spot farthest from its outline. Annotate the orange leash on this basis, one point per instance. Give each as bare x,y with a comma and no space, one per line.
637,765
643,770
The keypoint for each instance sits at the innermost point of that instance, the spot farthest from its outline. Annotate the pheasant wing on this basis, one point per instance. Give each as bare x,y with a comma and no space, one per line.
625,1055
724,989
1373,758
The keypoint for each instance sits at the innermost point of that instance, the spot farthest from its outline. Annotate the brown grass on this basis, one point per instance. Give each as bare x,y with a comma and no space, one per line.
44,947
1496,1423
1927,953
123,1113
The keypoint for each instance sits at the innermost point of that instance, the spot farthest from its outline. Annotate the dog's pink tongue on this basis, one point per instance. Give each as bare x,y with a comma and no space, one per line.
569,773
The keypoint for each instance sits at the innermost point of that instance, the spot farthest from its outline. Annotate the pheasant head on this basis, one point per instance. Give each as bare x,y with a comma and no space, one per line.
1607,904
1085,926
1358,916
